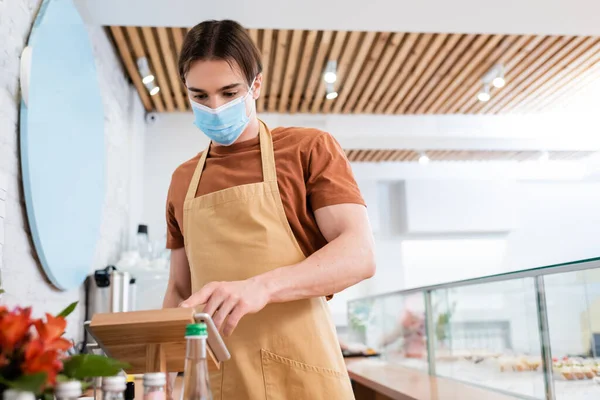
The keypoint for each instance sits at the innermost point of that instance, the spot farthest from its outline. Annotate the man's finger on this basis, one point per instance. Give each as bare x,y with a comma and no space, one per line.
215,301
233,319
198,298
224,311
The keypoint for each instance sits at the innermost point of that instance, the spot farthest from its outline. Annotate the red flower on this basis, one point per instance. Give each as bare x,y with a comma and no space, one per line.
40,359
14,327
50,333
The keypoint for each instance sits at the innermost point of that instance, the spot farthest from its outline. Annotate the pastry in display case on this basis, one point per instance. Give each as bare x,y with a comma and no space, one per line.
531,334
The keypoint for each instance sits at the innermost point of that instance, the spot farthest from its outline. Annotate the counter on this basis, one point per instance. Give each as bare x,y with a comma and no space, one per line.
374,379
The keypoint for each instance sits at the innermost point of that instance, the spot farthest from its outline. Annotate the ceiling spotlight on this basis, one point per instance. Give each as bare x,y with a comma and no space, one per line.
148,79
544,157
330,75
144,70
423,159
154,90
499,82
484,95
331,93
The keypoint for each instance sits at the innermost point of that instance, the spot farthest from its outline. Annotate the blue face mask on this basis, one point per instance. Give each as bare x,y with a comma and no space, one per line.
224,124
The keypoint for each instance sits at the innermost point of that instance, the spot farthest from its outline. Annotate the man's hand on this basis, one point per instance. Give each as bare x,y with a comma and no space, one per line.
228,302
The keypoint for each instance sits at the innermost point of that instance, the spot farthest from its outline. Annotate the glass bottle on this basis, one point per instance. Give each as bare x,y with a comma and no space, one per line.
113,387
154,386
70,390
196,385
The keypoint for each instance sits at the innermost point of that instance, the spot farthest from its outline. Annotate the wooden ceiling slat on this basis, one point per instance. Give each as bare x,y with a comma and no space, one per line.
441,72
159,72
169,58
365,73
399,84
383,66
561,97
528,76
510,63
565,78
277,71
427,75
290,70
317,70
347,58
509,47
475,64
570,61
306,57
253,33
267,39
130,66
178,35
336,50
436,41
394,69
138,50
448,85
357,66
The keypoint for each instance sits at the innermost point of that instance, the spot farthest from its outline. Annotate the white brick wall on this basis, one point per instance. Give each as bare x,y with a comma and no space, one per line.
22,278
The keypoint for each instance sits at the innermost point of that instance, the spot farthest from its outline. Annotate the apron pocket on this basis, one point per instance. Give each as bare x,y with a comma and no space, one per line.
287,379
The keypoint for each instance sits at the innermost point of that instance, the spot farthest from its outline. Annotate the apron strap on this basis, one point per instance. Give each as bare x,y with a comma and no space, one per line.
267,156
193,188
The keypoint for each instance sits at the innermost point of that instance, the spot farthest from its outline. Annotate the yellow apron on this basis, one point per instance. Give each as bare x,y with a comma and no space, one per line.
287,351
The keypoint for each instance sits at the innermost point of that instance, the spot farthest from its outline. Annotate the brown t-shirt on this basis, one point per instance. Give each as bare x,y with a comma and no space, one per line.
312,172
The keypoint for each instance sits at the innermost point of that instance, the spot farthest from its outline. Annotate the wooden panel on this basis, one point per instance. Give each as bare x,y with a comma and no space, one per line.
514,86
383,66
425,76
349,97
501,55
157,67
400,83
379,72
267,39
459,83
408,155
138,51
305,60
130,66
384,86
448,84
290,71
349,65
316,75
336,50
169,58
277,72
570,61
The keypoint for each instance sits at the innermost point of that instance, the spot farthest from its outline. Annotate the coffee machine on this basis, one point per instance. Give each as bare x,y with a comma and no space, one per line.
108,290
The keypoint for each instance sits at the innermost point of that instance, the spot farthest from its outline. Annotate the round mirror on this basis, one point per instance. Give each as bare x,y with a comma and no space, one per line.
62,144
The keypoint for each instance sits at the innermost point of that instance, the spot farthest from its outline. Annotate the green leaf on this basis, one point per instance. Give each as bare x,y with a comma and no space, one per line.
27,383
2,291
83,366
70,308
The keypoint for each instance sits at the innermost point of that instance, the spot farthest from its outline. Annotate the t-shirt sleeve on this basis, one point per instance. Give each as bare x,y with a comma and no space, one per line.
330,180
174,234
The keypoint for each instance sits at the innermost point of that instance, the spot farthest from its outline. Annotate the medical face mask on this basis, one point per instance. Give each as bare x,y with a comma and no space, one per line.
224,124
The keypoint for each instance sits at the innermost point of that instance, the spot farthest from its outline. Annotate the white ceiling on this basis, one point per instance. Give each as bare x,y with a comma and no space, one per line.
572,17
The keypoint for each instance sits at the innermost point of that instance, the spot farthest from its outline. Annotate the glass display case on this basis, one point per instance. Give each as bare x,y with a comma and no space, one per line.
533,334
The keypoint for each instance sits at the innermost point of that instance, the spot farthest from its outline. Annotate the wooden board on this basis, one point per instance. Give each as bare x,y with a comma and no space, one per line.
152,339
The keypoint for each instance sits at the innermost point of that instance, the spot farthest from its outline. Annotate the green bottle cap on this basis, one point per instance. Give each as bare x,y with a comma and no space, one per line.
196,330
